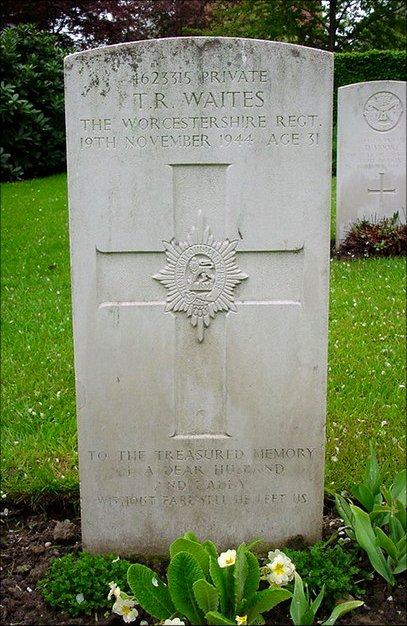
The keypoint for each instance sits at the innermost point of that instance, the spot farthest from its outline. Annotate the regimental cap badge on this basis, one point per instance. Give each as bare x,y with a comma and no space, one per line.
200,276
383,110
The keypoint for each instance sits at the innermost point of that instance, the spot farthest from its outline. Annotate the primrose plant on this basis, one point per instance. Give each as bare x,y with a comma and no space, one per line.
206,588
380,527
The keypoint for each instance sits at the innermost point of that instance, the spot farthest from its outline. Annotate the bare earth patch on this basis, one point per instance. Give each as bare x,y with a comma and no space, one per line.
31,540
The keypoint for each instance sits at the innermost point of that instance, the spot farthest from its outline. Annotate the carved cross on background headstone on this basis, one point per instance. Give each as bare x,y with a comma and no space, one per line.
381,191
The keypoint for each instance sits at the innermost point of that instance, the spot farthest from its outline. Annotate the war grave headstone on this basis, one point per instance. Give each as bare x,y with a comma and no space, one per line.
371,157
199,193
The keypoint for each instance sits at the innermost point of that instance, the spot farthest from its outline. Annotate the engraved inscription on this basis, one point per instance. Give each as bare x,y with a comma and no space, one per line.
204,77
185,132
202,100
200,276
383,110
187,477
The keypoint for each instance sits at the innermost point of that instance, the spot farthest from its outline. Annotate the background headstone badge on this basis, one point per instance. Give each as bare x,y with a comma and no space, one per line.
200,362
383,110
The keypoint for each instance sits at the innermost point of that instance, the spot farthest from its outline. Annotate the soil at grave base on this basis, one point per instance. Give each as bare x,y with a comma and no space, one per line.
28,546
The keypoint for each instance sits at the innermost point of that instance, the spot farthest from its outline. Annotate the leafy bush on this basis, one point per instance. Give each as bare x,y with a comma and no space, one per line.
387,237
31,103
331,567
79,584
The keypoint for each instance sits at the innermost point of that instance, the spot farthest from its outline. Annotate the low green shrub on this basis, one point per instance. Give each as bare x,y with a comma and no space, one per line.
78,584
329,567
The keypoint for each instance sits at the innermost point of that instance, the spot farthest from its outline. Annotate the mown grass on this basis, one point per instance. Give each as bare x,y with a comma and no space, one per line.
366,372
366,392
38,406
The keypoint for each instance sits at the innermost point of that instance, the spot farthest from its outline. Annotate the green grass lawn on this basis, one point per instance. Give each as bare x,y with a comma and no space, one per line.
366,377
38,405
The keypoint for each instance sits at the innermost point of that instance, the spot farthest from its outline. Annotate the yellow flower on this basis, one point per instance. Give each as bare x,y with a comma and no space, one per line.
241,620
228,558
114,591
126,609
280,570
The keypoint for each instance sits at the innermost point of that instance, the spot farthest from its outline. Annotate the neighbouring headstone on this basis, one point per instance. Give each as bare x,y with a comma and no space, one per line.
371,157
199,193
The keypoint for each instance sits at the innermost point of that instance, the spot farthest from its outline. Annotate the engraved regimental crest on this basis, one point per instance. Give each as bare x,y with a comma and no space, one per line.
200,276
383,110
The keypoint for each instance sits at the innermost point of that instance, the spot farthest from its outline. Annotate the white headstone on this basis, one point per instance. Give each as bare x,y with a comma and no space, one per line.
199,192
371,158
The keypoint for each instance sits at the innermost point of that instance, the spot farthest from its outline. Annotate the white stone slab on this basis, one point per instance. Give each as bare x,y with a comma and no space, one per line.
199,192
371,158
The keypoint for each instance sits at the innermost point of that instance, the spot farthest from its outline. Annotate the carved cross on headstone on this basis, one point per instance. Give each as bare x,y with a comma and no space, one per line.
217,285
381,191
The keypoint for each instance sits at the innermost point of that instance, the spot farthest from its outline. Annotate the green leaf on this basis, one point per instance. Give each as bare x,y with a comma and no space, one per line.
317,602
253,543
343,508
300,610
253,576
399,487
183,571
230,584
211,549
191,547
265,600
364,495
373,474
240,572
191,536
396,530
401,565
366,538
387,495
383,541
150,591
341,609
401,514
217,619
258,620
219,580
380,514
206,595
401,546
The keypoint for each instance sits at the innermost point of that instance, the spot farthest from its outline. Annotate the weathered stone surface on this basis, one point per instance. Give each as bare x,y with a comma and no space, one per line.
371,159
199,192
